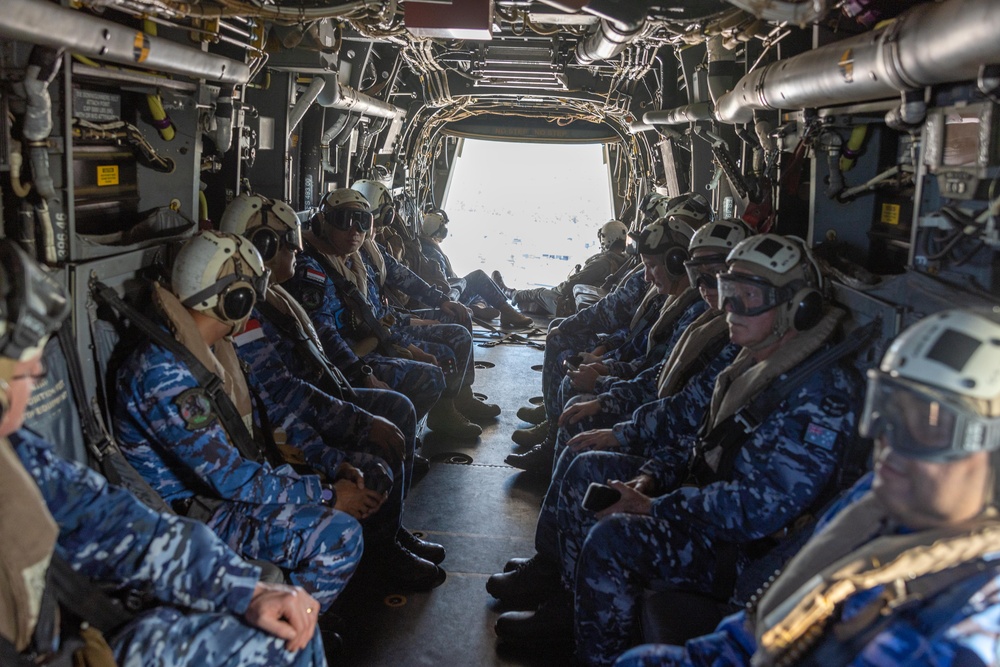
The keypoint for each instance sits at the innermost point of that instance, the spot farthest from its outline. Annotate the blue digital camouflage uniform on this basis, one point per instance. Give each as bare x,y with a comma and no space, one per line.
109,536
422,383
778,475
579,332
645,381
967,636
649,427
470,288
342,426
266,513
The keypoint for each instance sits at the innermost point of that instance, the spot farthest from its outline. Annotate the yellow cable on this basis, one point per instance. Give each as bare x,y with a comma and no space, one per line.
854,144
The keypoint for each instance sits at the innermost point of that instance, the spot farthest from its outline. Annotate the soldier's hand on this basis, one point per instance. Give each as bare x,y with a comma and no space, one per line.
284,611
597,439
388,438
577,411
631,502
420,355
372,382
585,377
455,309
359,503
346,471
591,357
643,483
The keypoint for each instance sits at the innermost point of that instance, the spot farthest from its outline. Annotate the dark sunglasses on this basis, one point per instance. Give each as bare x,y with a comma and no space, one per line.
346,218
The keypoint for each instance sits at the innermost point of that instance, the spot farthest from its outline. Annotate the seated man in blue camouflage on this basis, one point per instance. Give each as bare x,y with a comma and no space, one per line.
904,569
210,453
211,610
374,428
709,493
340,283
592,333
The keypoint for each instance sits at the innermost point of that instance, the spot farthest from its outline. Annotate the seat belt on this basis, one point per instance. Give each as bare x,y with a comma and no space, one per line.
357,300
227,413
329,378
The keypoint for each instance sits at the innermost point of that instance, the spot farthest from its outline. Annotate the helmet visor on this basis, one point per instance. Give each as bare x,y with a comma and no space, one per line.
748,295
704,271
346,218
920,422
268,241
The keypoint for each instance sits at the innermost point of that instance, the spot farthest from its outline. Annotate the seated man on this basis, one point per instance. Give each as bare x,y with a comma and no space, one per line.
211,608
340,281
368,438
663,247
710,493
475,286
557,301
902,570
198,451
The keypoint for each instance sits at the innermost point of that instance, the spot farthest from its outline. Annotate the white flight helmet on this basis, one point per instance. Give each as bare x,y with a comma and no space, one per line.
667,238
611,232
266,222
936,395
720,237
220,275
433,225
692,206
374,192
653,206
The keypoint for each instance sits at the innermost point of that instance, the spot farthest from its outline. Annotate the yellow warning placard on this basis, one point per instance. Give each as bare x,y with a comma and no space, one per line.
107,174
890,214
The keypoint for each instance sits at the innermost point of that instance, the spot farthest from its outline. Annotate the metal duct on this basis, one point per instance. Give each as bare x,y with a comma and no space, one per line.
637,126
305,101
608,41
723,70
338,96
929,44
48,24
689,113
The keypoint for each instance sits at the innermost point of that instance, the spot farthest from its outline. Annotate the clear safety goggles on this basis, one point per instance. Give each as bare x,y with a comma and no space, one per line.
923,423
704,271
346,218
268,240
749,295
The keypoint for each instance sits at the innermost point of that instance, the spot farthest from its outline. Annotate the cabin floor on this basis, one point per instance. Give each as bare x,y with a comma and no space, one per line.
483,512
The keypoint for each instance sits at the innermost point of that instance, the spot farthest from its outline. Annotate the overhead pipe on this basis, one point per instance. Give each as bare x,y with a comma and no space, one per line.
929,44
48,24
305,101
338,96
723,71
689,113
610,39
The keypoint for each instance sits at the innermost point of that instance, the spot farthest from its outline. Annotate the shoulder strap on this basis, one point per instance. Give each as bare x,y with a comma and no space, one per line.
354,296
85,599
329,378
227,413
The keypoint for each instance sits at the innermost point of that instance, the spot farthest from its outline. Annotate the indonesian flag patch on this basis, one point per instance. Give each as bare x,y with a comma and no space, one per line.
251,332
315,276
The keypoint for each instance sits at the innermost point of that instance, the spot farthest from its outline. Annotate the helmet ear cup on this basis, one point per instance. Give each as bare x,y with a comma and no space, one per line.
674,261
808,306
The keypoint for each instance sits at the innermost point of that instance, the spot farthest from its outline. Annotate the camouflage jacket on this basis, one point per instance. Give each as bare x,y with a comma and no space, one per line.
108,535
612,313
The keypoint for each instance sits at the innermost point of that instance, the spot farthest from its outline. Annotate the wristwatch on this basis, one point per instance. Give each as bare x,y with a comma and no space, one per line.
365,370
326,497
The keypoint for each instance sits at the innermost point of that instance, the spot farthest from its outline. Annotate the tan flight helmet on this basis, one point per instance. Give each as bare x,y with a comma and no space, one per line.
220,275
267,223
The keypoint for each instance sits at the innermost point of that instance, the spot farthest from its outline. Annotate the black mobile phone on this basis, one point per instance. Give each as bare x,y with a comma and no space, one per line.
380,480
573,362
600,497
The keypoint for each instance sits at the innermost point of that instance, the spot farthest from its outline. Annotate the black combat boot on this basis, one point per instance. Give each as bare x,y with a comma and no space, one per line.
426,550
551,625
538,459
530,582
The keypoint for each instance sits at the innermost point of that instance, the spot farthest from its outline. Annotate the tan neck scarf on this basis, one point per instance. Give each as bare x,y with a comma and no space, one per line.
278,297
671,311
220,359
27,539
352,267
644,305
745,378
851,554
704,332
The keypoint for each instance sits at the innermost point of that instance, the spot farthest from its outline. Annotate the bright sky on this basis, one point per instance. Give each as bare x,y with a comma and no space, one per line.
531,211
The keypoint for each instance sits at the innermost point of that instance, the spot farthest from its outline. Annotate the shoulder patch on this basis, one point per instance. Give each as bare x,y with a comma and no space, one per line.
311,297
315,276
195,409
835,406
251,332
819,435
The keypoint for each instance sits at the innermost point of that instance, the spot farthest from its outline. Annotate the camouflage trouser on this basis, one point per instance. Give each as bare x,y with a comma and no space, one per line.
452,345
652,655
558,347
480,285
543,300
546,531
319,547
422,383
168,637
398,409
618,557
